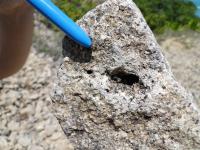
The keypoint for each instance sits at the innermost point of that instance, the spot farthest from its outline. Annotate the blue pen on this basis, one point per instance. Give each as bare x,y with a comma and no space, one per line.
53,13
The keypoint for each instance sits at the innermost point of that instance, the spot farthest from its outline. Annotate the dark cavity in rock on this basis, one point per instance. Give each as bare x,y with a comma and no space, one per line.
119,75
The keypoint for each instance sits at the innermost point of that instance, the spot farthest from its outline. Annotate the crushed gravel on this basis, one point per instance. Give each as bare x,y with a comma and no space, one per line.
26,119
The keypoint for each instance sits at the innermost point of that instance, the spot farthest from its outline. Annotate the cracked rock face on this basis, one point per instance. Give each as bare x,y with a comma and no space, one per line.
121,94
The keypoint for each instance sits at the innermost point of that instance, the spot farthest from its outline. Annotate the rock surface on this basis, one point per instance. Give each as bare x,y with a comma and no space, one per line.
121,94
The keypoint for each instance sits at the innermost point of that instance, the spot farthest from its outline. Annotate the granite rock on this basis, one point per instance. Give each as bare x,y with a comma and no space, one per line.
121,93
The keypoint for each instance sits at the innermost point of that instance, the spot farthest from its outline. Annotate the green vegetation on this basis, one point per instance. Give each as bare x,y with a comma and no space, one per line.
169,14
160,14
75,8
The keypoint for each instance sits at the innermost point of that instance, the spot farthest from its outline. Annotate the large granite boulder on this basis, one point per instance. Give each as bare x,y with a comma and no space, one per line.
121,93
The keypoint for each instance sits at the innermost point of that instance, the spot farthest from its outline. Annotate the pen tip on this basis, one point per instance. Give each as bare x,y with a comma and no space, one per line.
88,42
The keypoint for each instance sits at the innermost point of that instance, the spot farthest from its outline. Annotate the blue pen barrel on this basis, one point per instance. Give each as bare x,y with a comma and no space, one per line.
60,19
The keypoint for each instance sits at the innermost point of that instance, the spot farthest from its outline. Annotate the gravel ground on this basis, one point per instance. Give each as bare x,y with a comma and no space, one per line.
183,53
26,122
